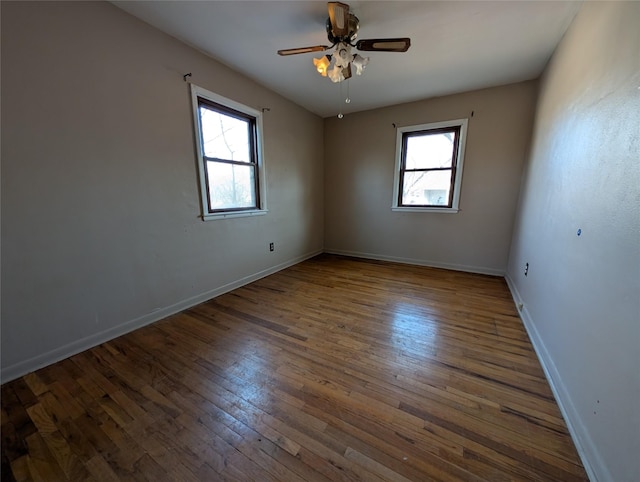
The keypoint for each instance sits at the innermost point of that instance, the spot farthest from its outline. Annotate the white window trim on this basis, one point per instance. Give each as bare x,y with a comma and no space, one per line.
196,92
459,166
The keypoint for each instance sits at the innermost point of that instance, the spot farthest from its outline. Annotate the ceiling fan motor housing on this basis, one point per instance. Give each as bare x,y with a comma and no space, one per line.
353,24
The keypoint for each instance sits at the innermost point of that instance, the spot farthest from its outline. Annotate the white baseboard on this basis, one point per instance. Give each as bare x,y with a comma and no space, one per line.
27,366
588,452
419,262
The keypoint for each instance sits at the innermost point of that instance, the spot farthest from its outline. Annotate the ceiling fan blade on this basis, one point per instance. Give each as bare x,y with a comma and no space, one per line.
304,50
339,17
346,72
384,44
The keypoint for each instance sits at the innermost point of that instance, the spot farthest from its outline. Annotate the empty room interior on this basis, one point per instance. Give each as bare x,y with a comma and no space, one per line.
295,241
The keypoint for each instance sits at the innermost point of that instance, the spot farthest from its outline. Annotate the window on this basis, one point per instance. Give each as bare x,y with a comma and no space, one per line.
429,160
228,142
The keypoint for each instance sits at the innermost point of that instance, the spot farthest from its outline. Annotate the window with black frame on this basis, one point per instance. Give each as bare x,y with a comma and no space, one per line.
229,156
429,166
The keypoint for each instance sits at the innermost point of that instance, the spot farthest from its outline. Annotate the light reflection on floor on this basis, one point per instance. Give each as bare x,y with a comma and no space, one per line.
250,366
412,327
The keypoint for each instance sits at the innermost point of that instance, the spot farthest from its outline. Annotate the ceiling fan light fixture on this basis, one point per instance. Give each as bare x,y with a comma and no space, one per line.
343,55
335,74
322,64
359,62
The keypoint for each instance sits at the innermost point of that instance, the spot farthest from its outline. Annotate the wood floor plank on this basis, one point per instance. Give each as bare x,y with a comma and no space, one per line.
42,464
100,469
19,470
335,369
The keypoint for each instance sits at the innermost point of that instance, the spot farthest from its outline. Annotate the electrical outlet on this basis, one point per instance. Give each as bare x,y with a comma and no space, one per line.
272,247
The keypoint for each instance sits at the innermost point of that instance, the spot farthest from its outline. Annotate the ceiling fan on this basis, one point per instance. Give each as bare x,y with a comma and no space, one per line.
342,30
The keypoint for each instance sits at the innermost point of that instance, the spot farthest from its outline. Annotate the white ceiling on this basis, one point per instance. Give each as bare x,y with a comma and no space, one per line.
456,46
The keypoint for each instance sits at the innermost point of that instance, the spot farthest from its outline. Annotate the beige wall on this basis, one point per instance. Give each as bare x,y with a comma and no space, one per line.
582,295
359,173
100,228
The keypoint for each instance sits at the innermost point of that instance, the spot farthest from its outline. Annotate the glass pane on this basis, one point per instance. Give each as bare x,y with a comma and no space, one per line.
426,188
231,186
430,151
224,137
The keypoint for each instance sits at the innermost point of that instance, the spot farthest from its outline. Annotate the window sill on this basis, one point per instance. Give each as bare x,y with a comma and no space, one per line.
425,210
237,214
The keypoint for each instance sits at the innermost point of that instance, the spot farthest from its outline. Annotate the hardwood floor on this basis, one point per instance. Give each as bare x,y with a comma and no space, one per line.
333,369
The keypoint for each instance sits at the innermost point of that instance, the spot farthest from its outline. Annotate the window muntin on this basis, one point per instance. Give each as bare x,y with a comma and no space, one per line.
429,161
229,156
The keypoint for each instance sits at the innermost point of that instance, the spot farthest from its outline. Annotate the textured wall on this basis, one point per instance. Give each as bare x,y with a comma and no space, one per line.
100,204
582,294
359,170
